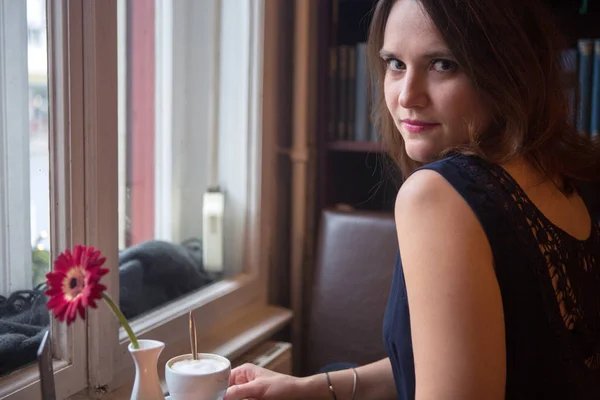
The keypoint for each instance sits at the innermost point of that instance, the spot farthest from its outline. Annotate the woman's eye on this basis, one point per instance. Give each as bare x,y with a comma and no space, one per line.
444,65
394,65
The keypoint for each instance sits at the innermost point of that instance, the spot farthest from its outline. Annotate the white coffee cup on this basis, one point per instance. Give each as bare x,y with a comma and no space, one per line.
204,379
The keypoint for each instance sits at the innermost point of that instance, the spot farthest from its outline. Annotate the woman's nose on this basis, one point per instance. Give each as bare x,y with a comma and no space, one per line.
413,91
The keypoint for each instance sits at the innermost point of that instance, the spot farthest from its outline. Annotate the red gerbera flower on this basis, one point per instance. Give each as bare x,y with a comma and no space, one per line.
73,285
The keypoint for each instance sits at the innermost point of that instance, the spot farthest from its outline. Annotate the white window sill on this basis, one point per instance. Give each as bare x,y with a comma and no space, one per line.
232,339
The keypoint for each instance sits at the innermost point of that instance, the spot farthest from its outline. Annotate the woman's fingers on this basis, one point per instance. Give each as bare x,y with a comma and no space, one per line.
250,390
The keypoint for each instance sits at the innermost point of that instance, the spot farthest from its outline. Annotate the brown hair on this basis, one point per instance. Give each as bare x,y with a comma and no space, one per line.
509,48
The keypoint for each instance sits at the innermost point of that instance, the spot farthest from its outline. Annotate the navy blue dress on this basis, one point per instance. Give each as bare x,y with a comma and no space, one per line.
550,287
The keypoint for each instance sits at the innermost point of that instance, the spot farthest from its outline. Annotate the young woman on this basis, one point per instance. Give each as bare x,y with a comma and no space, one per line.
496,291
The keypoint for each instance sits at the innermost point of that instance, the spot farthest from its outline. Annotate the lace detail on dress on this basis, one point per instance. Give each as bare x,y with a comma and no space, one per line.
571,264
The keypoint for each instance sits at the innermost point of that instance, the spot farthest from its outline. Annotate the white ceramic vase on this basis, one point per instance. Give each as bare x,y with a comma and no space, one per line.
146,385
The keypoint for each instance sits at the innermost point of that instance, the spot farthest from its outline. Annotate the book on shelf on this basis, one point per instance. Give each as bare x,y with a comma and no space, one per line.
595,102
583,91
586,49
349,100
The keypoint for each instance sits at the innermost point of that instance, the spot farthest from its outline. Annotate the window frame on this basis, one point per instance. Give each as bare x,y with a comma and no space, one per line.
15,213
66,137
164,216
233,314
237,304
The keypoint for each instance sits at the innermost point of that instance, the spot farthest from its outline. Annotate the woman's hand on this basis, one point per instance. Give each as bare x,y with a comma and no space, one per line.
251,382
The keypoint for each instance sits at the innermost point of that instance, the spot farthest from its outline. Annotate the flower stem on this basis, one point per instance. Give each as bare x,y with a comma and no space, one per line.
121,319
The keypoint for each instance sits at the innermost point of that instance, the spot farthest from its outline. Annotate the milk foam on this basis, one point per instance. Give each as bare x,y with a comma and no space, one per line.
202,366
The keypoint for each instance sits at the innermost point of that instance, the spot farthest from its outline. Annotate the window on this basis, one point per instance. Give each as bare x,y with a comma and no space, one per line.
34,140
148,105
172,153
189,119
24,187
184,131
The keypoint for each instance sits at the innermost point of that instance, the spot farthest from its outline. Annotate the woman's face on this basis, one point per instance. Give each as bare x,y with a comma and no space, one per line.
430,97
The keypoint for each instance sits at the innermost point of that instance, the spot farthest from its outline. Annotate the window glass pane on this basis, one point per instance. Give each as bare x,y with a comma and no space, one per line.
165,152
38,135
26,260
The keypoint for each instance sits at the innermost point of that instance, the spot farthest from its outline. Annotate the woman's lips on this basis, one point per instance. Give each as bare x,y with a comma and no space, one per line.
416,126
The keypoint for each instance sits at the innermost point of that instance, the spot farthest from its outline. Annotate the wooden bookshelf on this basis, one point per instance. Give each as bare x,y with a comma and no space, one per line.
350,168
354,170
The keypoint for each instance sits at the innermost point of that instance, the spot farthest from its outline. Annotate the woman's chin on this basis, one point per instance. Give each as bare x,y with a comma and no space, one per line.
421,154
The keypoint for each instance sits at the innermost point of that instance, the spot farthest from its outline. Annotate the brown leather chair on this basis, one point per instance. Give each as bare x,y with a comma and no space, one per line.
350,287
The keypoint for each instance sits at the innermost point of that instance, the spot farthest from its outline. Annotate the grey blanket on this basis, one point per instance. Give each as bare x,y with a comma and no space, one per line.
150,274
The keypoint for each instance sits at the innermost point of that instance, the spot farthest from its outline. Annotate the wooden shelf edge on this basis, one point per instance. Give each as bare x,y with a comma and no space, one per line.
353,146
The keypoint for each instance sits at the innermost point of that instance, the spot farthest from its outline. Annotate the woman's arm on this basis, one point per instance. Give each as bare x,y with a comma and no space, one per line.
374,381
456,314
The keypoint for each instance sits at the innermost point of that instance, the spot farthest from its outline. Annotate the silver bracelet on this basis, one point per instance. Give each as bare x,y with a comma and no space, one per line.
331,389
354,386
